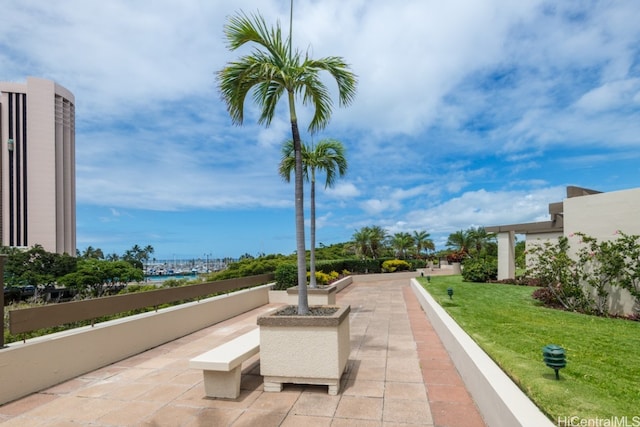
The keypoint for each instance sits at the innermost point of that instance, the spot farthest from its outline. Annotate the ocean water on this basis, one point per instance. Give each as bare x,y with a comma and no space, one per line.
164,277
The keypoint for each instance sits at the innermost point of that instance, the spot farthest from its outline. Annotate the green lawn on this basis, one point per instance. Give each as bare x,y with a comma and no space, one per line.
602,376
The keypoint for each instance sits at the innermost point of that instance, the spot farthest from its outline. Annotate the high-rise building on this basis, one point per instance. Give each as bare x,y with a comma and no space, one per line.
37,166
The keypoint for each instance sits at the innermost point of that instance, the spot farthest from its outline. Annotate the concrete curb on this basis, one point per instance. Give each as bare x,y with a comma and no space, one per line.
499,399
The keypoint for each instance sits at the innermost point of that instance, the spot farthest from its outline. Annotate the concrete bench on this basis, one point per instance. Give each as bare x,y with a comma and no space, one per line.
221,367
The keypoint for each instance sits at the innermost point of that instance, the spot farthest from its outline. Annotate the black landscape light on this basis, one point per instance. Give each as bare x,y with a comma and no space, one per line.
450,293
554,357
428,279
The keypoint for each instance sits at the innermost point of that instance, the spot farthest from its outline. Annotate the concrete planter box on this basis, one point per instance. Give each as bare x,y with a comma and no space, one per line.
325,295
304,349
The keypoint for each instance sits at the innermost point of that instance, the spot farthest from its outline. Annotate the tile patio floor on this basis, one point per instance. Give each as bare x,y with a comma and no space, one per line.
398,374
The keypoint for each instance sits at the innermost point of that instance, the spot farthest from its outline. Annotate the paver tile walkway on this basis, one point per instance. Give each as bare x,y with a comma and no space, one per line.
398,374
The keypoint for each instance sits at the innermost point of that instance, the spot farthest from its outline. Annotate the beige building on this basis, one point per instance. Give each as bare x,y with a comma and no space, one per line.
591,212
37,166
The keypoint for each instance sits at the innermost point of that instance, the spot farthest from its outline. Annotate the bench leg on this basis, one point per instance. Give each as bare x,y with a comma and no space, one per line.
223,384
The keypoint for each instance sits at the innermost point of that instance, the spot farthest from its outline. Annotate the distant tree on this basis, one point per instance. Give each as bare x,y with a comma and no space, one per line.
401,243
112,257
35,266
520,249
331,252
422,241
480,241
95,276
91,252
369,242
138,256
360,243
147,252
377,240
460,241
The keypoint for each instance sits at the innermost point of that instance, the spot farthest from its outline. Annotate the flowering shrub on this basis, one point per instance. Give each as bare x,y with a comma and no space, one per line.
457,256
583,283
323,279
392,265
560,274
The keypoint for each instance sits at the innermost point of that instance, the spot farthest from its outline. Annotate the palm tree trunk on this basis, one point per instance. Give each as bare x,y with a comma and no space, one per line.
303,302
312,248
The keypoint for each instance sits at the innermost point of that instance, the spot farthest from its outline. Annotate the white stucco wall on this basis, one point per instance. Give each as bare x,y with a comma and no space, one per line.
538,239
601,216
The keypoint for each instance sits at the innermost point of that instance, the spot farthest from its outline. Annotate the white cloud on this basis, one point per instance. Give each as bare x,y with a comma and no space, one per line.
376,207
611,95
484,102
343,190
486,208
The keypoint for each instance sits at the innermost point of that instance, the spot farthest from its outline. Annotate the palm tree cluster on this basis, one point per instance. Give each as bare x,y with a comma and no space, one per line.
137,255
270,71
375,242
473,242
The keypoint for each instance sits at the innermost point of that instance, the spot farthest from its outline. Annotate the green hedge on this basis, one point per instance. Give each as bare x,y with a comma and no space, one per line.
480,270
286,276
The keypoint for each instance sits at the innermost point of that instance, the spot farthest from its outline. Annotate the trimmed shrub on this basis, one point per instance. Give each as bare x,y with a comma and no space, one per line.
416,263
361,266
322,278
286,276
480,270
327,266
395,265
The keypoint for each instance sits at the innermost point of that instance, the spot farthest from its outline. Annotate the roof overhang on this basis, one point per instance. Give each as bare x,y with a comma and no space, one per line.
529,227
556,210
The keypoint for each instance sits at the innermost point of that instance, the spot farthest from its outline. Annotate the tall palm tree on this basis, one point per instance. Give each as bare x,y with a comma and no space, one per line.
272,69
328,157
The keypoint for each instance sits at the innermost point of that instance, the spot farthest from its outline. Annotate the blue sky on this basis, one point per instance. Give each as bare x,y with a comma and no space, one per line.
467,114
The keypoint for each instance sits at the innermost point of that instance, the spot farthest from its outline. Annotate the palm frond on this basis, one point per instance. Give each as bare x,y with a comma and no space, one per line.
346,80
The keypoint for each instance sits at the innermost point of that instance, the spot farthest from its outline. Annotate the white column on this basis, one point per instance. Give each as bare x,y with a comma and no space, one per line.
506,255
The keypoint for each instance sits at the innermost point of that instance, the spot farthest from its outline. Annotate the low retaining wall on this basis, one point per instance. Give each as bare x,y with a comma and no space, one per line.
45,361
499,399
284,297
375,277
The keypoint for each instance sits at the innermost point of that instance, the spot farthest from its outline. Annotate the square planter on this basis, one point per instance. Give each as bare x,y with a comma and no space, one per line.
323,295
304,349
